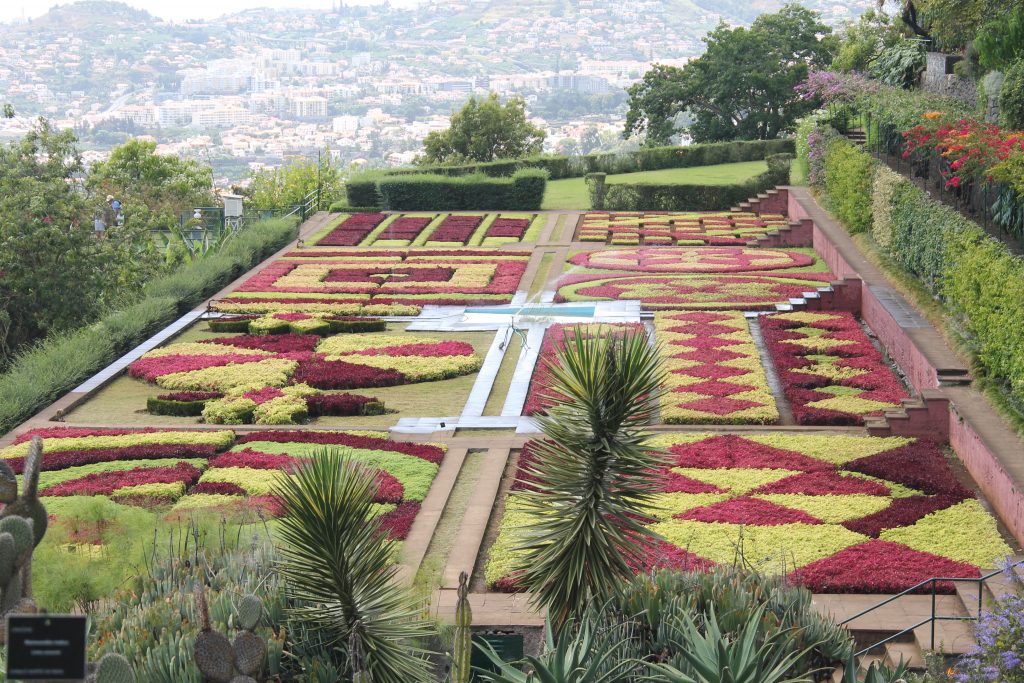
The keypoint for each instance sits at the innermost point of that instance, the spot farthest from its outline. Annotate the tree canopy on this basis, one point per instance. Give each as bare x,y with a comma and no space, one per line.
484,130
287,185
740,88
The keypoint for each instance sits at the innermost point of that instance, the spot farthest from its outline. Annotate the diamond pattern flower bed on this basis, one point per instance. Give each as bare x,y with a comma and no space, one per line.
318,281
714,370
830,371
654,228
538,396
170,471
277,379
838,513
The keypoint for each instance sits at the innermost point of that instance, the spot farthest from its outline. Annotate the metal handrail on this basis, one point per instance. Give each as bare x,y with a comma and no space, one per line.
933,583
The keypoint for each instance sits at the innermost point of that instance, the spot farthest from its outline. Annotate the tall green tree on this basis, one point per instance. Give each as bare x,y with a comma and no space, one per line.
593,480
153,188
484,130
54,273
741,87
950,24
288,185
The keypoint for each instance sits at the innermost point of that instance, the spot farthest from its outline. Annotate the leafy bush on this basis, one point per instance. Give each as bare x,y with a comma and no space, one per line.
849,173
596,188
885,184
524,191
41,374
1011,97
1000,43
361,190
899,65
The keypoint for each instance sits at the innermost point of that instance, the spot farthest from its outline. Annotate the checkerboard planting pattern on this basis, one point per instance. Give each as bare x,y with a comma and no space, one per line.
837,513
653,228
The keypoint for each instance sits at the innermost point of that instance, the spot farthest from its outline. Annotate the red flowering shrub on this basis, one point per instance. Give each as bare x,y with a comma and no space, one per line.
190,396
404,228
508,227
275,343
60,460
456,229
337,374
352,230
254,460
341,404
397,522
920,465
218,488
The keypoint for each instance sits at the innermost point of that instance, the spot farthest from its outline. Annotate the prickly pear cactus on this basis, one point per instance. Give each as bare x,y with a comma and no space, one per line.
114,668
220,660
22,525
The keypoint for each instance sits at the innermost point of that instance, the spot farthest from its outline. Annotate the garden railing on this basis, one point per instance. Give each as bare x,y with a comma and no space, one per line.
934,617
997,206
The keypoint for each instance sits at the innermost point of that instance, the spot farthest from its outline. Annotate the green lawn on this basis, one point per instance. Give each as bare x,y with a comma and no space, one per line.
571,193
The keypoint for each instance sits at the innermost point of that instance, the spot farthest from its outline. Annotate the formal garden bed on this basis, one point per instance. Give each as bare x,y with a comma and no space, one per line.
660,228
377,282
831,373
352,378
429,229
696,278
836,513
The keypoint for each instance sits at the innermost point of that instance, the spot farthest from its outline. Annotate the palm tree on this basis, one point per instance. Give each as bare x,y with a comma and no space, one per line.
341,574
593,480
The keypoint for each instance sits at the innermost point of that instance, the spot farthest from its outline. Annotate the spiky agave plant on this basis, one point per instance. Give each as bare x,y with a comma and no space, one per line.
340,570
593,479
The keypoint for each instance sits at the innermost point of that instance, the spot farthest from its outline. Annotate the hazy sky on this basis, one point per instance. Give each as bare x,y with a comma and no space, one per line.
179,10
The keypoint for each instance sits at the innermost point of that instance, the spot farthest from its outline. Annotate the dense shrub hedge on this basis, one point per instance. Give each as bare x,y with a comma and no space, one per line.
40,375
978,281
361,189
691,197
523,191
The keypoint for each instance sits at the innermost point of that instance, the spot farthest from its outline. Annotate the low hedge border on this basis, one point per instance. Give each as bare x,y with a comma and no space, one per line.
361,189
686,197
977,280
523,191
158,406
53,367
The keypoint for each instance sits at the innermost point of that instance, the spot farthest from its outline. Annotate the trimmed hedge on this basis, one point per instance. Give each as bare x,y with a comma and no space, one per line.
361,189
689,197
524,191
975,277
159,406
849,173
40,375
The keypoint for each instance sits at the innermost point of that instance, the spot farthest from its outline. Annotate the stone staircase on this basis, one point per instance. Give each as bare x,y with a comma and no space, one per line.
796,234
857,136
838,295
770,201
951,638
923,416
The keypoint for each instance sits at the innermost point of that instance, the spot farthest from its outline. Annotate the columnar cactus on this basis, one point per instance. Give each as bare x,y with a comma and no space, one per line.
463,645
22,525
220,660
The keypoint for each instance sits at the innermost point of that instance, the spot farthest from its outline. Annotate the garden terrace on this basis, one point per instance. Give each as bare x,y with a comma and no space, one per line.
654,228
429,229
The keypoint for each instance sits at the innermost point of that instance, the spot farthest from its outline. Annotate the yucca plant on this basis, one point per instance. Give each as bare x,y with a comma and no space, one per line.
593,479
340,571
749,656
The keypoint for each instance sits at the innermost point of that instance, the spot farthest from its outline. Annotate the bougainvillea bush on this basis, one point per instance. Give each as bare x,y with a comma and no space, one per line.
281,379
831,373
555,337
373,282
175,471
714,372
652,228
837,513
699,278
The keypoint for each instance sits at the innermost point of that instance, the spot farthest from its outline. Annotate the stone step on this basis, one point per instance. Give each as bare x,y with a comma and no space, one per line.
951,637
909,654
925,416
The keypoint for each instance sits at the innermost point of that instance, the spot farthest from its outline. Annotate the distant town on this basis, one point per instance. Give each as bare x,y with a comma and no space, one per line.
364,84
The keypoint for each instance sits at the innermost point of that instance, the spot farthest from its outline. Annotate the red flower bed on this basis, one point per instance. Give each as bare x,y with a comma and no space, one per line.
749,511
404,228
275,343
218,488
151,368
389,489
929,474
456,229
59,460
446,348
338,404
73,432
808,373
902,512
508,227
880,567
730,451
353,230
428,452
254,460
337,374
397,522
439,274
105,483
